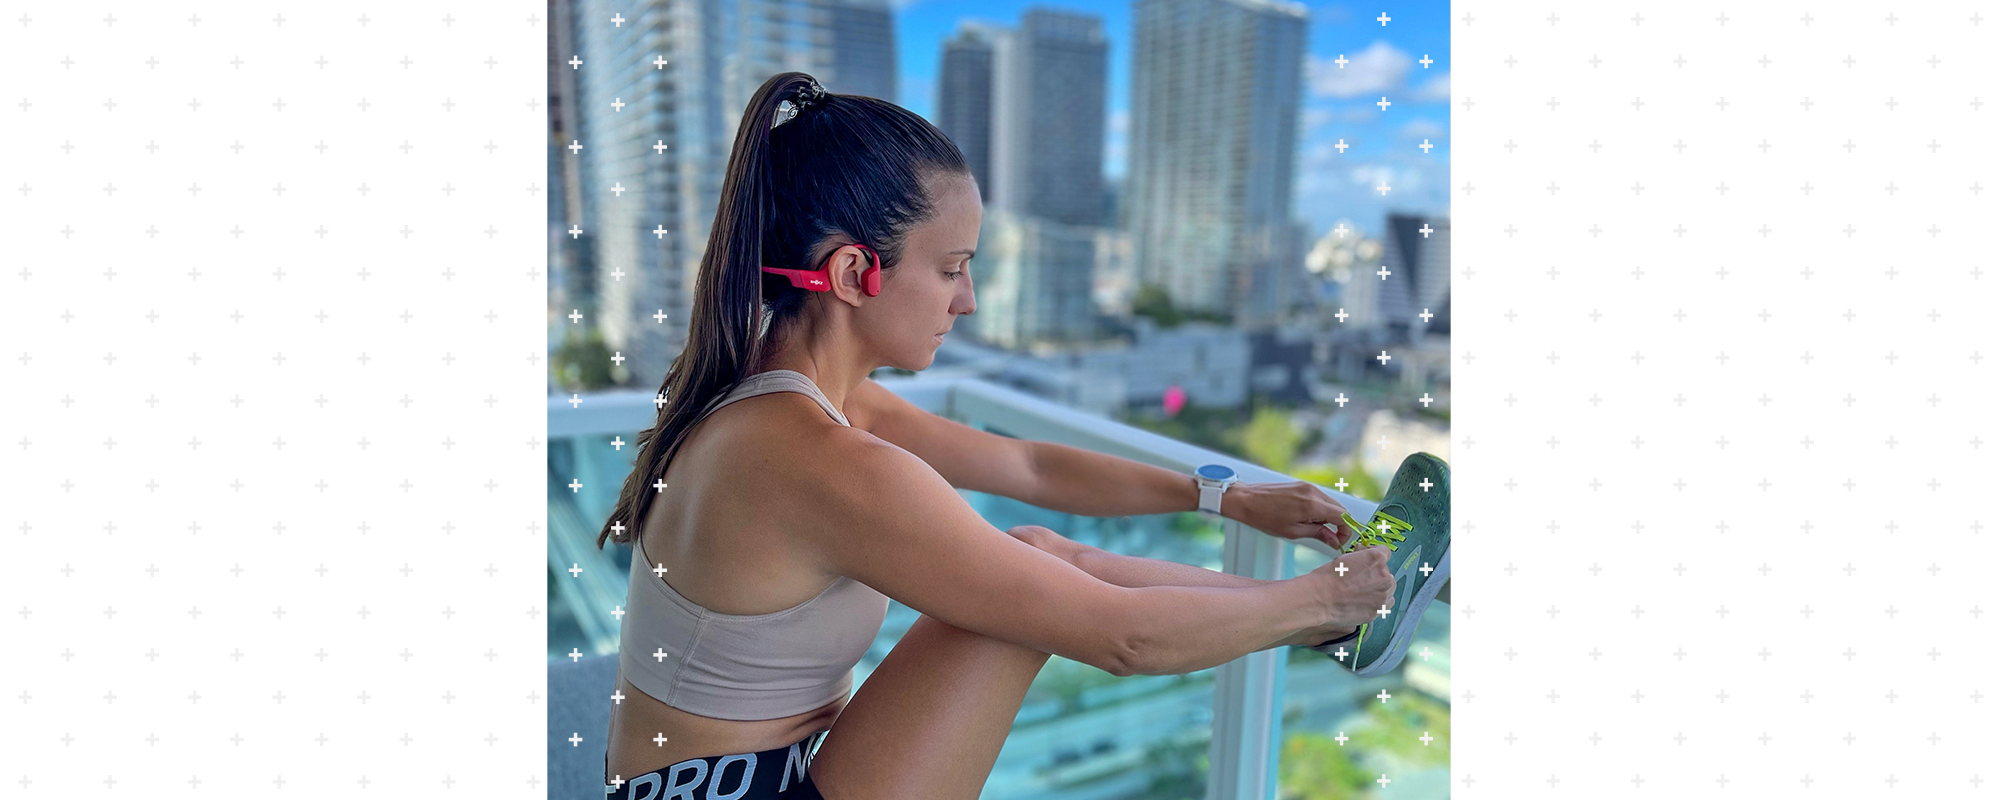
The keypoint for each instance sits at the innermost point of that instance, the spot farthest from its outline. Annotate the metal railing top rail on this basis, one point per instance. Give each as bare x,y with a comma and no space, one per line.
626,412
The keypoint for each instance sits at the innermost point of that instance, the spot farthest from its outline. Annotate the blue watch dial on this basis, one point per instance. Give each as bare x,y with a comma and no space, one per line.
1216,472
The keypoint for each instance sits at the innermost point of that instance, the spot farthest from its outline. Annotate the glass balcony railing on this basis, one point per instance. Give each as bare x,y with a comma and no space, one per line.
1278,724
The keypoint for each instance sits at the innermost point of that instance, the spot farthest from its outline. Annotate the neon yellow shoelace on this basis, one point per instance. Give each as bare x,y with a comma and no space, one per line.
1385,531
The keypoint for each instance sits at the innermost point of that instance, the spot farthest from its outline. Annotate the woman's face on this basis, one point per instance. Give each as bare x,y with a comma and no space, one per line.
932,286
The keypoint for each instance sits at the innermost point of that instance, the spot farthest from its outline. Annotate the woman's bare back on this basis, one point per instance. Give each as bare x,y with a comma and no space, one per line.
722,529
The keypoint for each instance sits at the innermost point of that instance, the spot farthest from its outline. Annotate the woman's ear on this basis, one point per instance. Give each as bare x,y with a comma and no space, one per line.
850,265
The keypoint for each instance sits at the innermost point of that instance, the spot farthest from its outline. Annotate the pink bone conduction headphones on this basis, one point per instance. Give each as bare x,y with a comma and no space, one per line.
820,280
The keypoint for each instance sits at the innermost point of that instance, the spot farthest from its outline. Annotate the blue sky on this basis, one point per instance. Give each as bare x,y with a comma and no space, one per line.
1340,104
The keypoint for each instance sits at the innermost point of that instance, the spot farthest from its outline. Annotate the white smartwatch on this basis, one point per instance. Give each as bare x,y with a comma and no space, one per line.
1213,479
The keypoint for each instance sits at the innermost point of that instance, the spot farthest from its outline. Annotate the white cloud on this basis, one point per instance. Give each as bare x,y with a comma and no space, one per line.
1435,90
1328,195
1421,128
1379,69
1405,180
1372,174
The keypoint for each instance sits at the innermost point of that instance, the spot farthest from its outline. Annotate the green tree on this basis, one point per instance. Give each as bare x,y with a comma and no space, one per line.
1362,482
1315,767
583,362
1394,730
1196,526
1152,301
1214,428
1359,482
1271,439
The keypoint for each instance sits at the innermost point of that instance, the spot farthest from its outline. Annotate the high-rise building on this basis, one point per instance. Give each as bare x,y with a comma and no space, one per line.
864,49
572,286
1049,80
1216,91
1113,285
662,89
1277,285
1035,281
965,97
1045,194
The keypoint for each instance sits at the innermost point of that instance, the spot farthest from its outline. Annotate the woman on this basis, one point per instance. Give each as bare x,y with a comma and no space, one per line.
768,540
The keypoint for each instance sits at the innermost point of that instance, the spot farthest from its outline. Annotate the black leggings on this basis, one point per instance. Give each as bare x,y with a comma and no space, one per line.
775,774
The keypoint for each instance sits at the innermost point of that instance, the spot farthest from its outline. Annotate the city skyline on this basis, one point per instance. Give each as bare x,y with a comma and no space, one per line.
1339,104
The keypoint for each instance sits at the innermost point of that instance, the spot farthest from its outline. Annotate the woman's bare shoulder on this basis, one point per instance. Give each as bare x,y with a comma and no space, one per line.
790,438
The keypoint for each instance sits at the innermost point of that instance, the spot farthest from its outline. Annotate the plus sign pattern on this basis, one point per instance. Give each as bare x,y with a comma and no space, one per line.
273,431
1725,277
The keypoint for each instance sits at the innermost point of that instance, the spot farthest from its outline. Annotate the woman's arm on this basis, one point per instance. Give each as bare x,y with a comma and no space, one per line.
892,523
1092,484
1135,572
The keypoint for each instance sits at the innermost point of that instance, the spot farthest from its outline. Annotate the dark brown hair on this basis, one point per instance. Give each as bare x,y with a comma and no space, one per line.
848,168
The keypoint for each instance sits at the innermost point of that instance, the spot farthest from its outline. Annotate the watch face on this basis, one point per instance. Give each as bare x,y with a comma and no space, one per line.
1216,472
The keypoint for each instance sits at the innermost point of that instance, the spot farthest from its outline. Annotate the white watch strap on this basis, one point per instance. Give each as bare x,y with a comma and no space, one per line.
1211,497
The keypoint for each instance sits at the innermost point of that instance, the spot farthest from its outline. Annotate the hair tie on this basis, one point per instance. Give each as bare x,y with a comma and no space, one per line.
788,108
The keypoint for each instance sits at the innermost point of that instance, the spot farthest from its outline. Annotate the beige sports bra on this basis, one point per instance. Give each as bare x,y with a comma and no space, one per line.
746,667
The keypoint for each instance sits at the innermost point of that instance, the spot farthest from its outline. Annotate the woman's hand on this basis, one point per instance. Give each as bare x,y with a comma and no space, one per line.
1293,510
1357,585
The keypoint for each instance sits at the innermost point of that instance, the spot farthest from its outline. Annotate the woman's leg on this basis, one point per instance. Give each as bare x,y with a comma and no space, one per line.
930,720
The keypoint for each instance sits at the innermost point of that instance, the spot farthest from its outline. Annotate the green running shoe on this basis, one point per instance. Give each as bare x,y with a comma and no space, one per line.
1414,522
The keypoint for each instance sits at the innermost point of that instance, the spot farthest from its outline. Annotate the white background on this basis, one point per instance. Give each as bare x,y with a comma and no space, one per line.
1595,428
155,441
280,381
